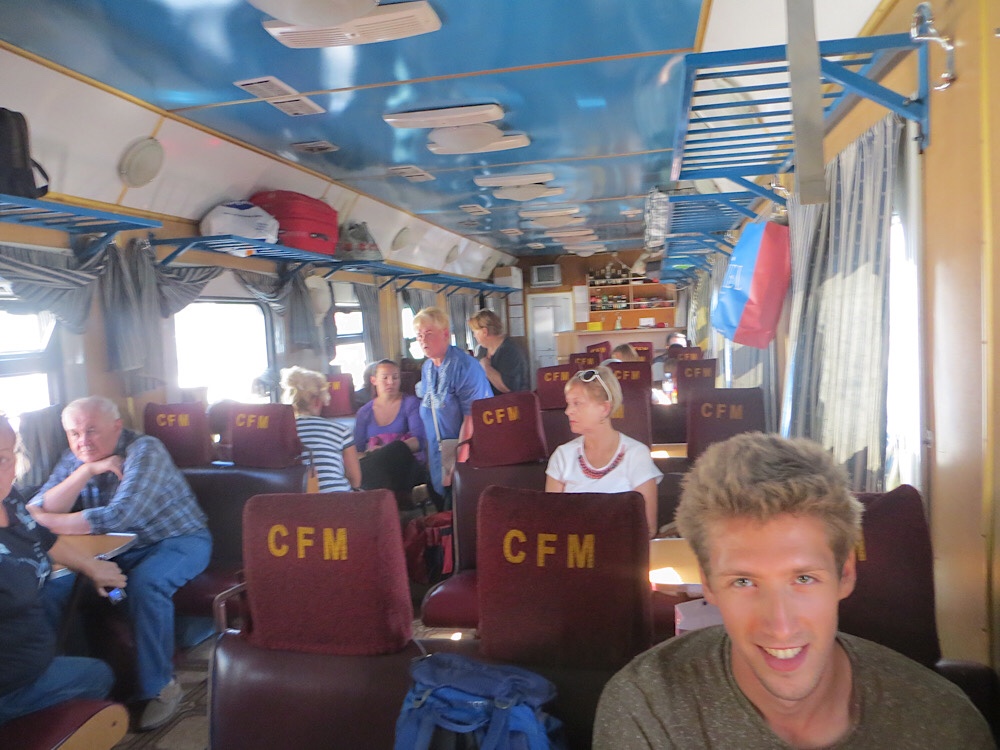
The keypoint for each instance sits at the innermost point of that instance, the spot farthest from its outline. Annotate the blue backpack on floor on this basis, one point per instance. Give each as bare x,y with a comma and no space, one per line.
457,703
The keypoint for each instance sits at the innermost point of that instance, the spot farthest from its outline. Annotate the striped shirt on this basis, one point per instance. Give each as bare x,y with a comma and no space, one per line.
327,440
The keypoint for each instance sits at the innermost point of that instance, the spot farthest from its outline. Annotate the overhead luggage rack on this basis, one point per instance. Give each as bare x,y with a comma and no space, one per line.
71,219
241,246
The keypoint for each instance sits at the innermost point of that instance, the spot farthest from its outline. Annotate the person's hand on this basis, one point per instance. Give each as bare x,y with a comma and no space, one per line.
106,575
114,464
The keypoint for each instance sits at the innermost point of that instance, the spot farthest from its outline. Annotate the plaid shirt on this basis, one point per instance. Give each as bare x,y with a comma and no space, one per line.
152,501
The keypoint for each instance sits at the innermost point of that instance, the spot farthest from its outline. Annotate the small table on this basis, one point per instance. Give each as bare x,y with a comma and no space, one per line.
103,546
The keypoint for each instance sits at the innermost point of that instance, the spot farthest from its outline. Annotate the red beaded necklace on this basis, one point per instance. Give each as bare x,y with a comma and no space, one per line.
592,473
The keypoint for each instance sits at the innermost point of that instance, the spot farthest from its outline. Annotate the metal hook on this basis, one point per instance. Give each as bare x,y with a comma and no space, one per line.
922,30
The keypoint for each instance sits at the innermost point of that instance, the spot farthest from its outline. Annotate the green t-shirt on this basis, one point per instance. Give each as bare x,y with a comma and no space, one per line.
682,695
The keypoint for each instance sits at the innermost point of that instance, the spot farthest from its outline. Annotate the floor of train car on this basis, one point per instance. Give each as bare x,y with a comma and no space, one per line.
188,729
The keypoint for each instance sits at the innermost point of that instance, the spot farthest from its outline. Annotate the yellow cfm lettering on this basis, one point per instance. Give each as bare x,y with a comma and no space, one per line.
545,548
260,421
278,550
580,553
508,546
499,416
335,544
304,539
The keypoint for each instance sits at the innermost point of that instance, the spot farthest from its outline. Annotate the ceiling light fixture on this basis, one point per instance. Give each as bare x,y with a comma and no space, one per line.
541,213
512,180
383,24
315,12
518,140
536,245
465,138
553,222
585,246
447,117
527,192
568,232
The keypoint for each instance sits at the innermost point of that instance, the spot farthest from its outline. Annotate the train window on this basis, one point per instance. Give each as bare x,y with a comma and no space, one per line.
222,346
28,351
410,345
352,352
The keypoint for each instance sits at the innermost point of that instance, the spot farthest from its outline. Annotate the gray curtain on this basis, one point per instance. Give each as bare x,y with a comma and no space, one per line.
368,299
418,299
461,307
137,294
44,441
286,293
52,281
836,375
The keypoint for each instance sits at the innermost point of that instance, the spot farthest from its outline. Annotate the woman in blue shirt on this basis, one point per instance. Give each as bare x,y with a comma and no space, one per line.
450,380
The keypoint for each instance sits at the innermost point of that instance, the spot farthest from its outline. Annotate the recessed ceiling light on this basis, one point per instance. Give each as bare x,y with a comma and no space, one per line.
527,192
540,213
515,140
445,118
509,180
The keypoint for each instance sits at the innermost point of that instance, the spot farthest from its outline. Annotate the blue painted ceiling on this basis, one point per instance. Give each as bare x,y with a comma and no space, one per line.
591,82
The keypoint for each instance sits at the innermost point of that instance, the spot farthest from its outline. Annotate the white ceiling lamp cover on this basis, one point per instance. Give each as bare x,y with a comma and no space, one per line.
511,180
141,162
516,140
553,222
452,255
541,213
400,240
315,12
527,192
466,138
448,117
383,24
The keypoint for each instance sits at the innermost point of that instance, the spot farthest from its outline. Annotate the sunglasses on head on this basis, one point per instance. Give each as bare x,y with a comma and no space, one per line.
588,376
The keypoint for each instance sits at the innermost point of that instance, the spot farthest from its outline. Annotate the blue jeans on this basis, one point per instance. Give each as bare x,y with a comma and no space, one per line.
154,573
67,677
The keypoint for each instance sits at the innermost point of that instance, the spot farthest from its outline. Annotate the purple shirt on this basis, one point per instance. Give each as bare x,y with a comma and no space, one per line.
406,421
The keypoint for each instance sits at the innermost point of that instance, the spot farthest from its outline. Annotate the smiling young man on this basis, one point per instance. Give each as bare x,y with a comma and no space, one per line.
774,530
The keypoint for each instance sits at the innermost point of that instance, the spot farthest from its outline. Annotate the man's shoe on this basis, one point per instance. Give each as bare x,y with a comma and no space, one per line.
162,708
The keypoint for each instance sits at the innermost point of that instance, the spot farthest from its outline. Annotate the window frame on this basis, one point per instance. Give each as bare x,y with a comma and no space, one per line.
47,361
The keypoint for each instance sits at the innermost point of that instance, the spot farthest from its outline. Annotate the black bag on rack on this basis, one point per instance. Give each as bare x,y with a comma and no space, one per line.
16,165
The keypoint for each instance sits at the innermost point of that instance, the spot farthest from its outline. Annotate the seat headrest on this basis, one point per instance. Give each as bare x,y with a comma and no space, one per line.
895,575
563,578
694,376
601,350
341,389
326,574
183,429
265,436
688,352
551,388
718,414
644,349
635,417
585,361
507,430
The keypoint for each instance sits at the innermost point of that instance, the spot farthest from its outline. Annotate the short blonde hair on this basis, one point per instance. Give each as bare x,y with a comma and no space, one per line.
761,476
489,320
299,387
434,317
610,391
626,353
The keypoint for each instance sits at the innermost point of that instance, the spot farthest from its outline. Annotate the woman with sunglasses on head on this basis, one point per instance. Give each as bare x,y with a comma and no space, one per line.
601,459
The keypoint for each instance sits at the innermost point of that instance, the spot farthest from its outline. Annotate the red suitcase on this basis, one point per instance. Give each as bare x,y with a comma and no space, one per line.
303,222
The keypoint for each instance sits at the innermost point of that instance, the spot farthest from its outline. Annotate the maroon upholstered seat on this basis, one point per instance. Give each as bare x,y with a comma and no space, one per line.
307,557
507,430
556,427
893,600
601,350
634,418
694,376
644,349
265,436
183,429
84,724
716,414
584,360
454,601
551,385
669,423
341,389
563,578
688,353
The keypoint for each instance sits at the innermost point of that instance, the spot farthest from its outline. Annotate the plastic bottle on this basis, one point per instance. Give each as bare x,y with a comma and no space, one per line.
618,323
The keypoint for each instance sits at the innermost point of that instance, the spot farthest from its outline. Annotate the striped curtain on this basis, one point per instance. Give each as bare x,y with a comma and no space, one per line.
286,294
375,347
52,281
461,307
836,381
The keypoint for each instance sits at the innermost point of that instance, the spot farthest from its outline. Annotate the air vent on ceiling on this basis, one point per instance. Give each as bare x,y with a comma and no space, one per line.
385,23
512,232
315,147
293,103
474,209
536,245
411,172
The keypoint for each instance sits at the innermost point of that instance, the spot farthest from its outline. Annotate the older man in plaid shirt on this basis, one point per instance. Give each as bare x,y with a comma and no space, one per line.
115,480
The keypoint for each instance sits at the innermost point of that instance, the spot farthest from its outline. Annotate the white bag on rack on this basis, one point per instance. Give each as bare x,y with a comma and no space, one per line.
242,219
